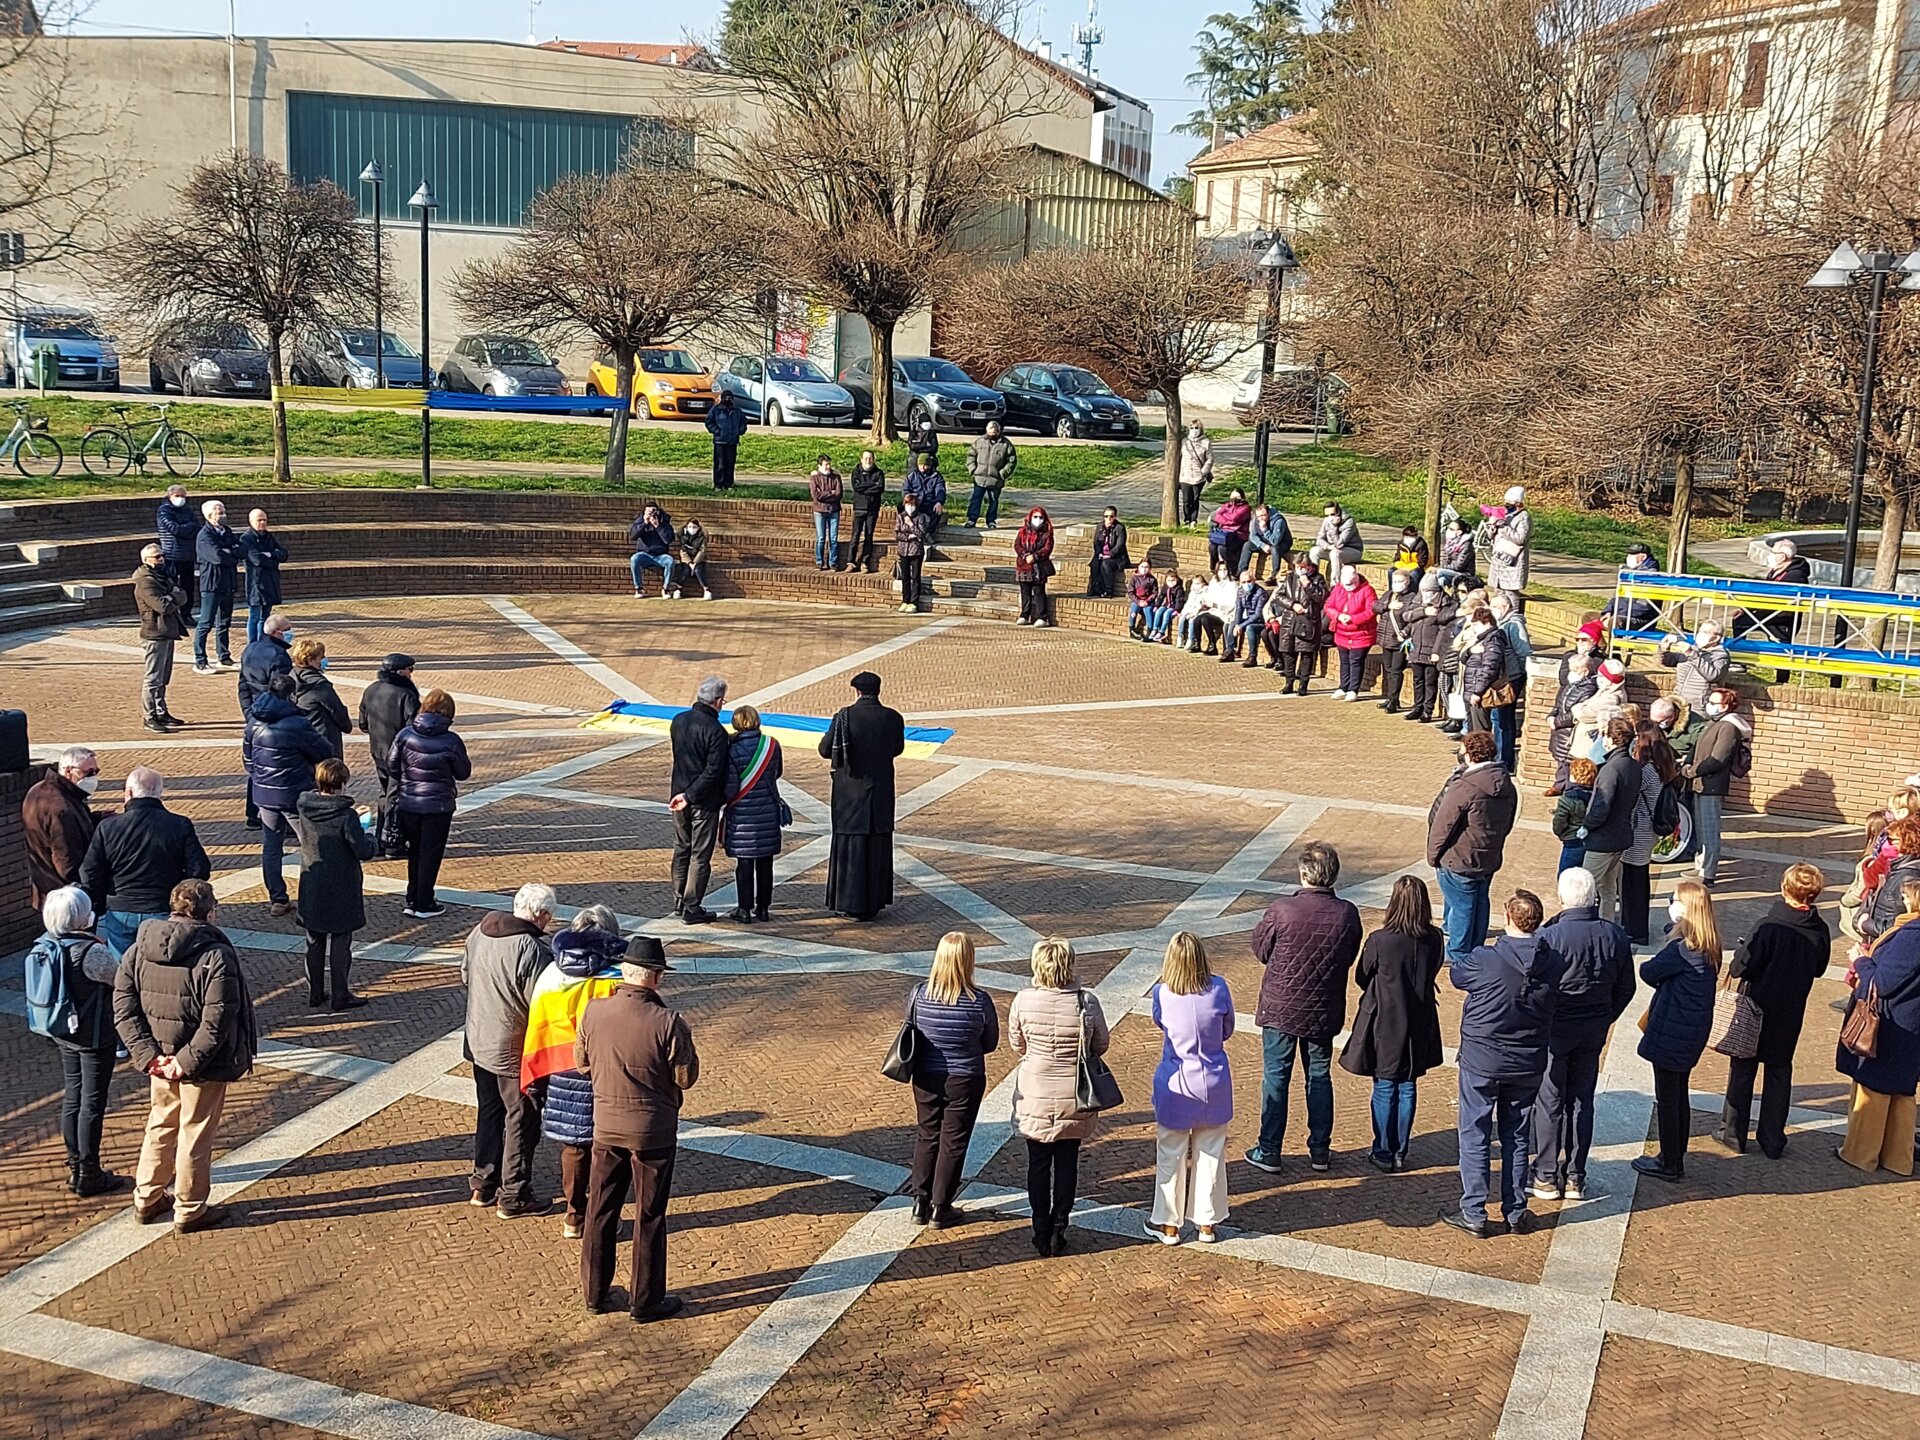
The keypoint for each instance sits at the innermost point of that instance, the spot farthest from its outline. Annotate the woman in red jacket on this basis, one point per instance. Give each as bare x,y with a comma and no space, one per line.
1350,611
1032,565
1227,534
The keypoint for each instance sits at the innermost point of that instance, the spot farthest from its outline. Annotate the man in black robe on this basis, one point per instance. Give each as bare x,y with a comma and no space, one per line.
862,743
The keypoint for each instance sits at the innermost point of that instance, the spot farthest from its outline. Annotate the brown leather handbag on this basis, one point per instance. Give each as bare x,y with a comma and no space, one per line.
1861,1031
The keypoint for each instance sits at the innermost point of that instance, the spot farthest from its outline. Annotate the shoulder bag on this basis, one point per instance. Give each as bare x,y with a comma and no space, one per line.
1094,1087
1861,1031
1498,694
1735,1031
905,1049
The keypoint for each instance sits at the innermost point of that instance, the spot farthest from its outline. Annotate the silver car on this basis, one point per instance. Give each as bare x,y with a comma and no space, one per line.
501,365
786,389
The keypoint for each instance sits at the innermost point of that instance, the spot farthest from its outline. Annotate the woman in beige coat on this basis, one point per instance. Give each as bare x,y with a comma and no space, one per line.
1044,1026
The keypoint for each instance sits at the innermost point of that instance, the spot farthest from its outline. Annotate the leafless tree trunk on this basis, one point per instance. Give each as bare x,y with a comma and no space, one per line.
277,377
1680,530
1170,483
1435,495
1897,500
618,424
882,430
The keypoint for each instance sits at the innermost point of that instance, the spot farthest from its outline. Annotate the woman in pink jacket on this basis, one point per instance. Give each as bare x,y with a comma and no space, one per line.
1227,535
1355,627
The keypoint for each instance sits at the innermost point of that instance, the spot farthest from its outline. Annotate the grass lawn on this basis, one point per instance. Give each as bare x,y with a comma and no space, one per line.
246,430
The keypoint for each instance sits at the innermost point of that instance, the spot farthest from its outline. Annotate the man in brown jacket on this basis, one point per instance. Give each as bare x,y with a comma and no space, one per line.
640,1056
162,605
59,822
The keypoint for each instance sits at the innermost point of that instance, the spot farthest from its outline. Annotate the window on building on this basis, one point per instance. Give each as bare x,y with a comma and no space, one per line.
1233,213
487,162
1206,199
1753,84
1707,93
1701,210
1662,199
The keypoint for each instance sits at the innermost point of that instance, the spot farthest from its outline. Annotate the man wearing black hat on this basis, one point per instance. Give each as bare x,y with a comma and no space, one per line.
387,707
639,1055
862,743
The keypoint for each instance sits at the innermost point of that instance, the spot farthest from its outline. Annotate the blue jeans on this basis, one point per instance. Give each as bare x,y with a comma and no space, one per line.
1392,1118
1248,633
1159,621
1465,912
1143,613
1189,630
1487,1105
276,827
257,621
214,610
992,499
117,927
642,561
1276,1054
826,538
1562,1123
1506,740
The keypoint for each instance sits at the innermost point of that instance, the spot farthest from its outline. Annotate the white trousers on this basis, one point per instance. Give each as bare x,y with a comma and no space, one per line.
1190,1181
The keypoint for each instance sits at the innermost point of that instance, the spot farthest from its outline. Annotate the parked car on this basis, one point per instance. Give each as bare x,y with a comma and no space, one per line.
344,356
1293,401
926,387
501,365
1065,400
789,388
666,380
89,359
223,360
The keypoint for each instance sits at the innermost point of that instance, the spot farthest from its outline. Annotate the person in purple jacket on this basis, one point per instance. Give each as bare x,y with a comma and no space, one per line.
1192,1094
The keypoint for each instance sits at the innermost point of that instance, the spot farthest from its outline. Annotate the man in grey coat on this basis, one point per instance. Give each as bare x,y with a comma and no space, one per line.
991,461
503,959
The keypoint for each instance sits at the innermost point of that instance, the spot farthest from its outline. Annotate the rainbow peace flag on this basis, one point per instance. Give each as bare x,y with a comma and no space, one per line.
553,1020
795,730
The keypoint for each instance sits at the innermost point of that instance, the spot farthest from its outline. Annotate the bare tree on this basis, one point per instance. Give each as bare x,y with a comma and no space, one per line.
1149,308
646,256
866,136
245,243
52,180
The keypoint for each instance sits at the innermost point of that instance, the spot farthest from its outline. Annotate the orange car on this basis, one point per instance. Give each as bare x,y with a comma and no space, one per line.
667,383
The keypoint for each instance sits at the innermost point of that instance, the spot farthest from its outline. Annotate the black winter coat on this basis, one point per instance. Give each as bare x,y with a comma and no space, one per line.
699,757
1616,790
753,818
217,556
1681,1013
1308,942
1429,631
136,858
1296,613
259,663
178,527
1599,984
386,708
182,992
861,744
1786,953
1483,665
1396,1031
427,762
333,842
281,751
868,484
265,555
315,698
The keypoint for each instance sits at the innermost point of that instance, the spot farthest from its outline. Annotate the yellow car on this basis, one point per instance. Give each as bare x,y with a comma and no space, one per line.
667,383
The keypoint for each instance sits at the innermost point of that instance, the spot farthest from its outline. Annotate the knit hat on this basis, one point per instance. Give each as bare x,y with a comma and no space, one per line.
1613,671
1591,631
1516,495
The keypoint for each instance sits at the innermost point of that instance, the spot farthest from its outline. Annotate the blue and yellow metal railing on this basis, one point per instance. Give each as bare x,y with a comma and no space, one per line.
413,399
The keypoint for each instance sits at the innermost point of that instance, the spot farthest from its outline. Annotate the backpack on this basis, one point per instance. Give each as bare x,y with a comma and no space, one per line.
50,1004
1666,809
1741,766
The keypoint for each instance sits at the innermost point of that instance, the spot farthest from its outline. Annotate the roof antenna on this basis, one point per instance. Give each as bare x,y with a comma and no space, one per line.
532,7
1089,35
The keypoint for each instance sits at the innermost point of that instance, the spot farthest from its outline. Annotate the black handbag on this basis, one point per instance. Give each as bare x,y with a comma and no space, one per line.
1094,1087
905,1049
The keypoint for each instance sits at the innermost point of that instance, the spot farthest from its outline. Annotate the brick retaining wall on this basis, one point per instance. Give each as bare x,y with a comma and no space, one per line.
19,924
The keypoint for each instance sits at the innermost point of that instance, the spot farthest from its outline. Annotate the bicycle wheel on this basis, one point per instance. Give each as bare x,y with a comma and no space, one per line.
182,452
38,455
106,452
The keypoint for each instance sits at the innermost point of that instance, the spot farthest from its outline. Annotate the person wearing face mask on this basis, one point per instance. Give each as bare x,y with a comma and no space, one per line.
1110,559
927,487
57,816
1143,602
1249,618
1723,754
1189,613
911,532
1412,555
869,485
1679,1018
135,859
1512,548
991,461
726,422
315,697
1698,664
177,526
1350,611
824,486
1608,831
162,604
1456,552
1628,614
1033,565
693,558
1575,689
1269,537
1338,540
270,655
1295,625
1221,608
1482,649
1683,724
1172,599
1196,472
264,556
82,1030
925,440
1394,614
1227,534
1427,630
1519,649
217,553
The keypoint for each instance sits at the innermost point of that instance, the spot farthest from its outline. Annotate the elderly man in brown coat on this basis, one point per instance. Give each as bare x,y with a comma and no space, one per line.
59,822
640,1057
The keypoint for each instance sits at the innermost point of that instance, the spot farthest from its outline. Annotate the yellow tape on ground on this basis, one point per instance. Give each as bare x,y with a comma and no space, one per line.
357,399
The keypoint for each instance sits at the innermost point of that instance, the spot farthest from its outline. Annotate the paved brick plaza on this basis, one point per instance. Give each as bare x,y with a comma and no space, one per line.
356,1293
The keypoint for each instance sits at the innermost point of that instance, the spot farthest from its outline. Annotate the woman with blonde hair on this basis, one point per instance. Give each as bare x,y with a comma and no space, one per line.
1046,1025
1880,1115
1681,1013
751,828
1192,1093
1787,951
959,1027
315,697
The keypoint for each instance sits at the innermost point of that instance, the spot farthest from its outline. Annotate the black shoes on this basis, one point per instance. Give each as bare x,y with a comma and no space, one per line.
87,1181
922,1212
740,916
1320,1159
156,725
1725,1137
696,915
349,1002
666,1305
1460,1220
946,1217
1650,1166
1521,1223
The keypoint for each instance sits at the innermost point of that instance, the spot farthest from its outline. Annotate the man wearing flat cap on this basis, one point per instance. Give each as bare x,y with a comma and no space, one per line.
862,743
387,707
639,1055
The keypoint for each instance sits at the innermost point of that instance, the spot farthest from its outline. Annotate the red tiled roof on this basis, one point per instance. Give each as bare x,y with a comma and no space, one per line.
634,50
1283,140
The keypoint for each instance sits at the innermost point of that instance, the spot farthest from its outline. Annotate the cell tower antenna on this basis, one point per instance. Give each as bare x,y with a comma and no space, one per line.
533,7
1087,36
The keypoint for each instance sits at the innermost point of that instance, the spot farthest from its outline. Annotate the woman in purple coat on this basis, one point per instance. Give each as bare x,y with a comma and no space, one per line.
1192,1094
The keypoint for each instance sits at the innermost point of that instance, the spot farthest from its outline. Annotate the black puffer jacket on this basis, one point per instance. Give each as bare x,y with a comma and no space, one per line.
181,992
427,762
1483,664
315,697
386,708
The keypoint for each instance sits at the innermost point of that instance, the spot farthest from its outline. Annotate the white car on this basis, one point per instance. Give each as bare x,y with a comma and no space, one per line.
1246,394
790,389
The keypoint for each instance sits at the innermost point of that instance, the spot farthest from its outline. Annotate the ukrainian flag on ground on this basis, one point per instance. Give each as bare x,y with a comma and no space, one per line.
807,730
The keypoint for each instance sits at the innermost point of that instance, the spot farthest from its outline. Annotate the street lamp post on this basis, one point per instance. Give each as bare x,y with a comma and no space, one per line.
1276,259
373,175
1845,267
425,202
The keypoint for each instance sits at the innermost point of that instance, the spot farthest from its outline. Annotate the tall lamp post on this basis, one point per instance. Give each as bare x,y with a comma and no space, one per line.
1276,259
1846,267
425,202
373,175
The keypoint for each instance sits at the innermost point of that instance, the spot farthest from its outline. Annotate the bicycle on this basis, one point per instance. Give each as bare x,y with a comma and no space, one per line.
34,451
110,449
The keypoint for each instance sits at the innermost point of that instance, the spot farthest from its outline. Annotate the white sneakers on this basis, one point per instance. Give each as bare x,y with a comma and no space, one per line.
706,594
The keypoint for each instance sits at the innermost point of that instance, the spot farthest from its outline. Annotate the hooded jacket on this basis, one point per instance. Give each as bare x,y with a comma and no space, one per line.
1196,459
1033,549
504,956
651,537
181,991
1337,533
426,762
333,843
1250,603
281,751
386,708
263,659
1432,619
1483,661
1233,517
1681,1012
585,967
928,488
1512,988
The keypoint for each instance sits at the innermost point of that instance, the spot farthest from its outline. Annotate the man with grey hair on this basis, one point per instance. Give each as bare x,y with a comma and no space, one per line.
162,605
1597,986
177,528
698,795
136,858
265,555
1682,724
1307,942
503,960
59,822
1698,664
218,553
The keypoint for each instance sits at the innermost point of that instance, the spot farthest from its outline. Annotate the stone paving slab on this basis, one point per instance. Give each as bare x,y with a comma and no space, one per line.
39,1401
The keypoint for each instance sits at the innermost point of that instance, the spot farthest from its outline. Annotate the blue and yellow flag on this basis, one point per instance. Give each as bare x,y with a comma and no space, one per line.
807,730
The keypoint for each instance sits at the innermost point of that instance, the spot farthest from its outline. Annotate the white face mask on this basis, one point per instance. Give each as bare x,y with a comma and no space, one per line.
1036,522
909,509
88,783
176,499
1676,912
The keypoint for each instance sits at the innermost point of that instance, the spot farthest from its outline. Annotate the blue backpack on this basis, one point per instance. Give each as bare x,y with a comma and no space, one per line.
50,1005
